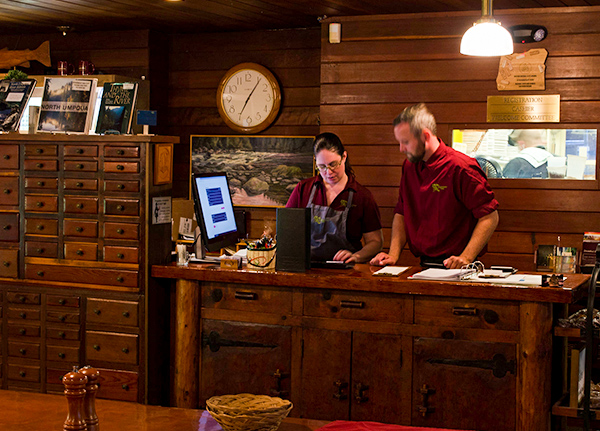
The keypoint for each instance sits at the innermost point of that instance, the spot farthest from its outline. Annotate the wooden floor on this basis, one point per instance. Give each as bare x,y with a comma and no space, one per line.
25,411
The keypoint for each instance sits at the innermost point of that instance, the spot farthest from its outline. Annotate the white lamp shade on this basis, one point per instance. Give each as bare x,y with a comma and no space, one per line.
486,39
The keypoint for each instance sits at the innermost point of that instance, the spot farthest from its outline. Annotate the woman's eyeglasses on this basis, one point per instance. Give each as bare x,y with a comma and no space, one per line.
331,166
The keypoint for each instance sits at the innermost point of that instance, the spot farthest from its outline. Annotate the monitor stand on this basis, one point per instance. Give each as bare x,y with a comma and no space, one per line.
200,251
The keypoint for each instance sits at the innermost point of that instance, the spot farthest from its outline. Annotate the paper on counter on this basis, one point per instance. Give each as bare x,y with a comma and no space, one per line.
391,271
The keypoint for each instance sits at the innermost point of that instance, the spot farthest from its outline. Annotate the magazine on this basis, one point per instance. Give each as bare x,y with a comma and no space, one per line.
14,96
116,107
67,105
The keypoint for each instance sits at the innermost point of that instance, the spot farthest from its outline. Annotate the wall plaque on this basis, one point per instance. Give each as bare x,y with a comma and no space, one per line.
522,71
523,109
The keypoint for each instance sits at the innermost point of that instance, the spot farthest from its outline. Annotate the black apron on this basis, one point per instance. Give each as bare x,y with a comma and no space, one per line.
328,229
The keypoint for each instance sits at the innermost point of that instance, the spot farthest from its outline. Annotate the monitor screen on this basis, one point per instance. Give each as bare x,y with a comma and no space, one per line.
214,210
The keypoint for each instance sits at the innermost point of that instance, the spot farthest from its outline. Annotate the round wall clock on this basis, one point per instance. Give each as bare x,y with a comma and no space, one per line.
248,98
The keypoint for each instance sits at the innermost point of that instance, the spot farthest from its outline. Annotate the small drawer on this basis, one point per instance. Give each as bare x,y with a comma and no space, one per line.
22,330
23,350
62,301
9,227
62,354
40,165
9,263
41,249
23,314
82,275
121,230
111,347
32,150
129,152
62,317
24,373
41,203
122,186
117,385
121,254
359,306
111,312
130,207
246,297
41,183
122,167
9,191
80,151
41,226
81,251
80,166
81,205
9,157
60,333
81,184
23,298
462,313
81,228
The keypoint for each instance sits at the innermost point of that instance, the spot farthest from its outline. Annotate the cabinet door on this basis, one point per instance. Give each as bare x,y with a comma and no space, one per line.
245,357
326,374
464,384
381,378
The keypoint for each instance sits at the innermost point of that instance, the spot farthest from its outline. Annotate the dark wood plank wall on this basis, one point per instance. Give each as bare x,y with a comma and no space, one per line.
385,63
197,63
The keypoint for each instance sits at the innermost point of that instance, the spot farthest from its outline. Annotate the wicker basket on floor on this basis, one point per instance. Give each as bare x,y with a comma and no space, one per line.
247,412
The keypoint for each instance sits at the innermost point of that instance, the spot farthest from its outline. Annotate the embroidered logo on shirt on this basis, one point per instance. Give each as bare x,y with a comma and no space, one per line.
318,220
437,188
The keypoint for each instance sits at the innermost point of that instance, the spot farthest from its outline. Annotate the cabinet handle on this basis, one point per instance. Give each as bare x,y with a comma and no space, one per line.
352,304
79,229
22,331
79,185
40,273
120,207
41,183
120,152
96,347
62,318
39,165
246,296
61,355
79,206
120,279
7,191
6,227
62,301
340,395
97,311
22,351
125,386
120,186
6,263
125,350
79,166
120,255
79,150
40,227
61,334
79,252
120,231
120,167
39,150
39,204
464,311
6,157
22,373
21,299
125,313
23,315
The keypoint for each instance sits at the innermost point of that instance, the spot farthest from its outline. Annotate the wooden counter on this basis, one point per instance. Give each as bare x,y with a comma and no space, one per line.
344,344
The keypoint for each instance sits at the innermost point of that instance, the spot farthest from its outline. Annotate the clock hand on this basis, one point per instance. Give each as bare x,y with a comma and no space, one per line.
249,95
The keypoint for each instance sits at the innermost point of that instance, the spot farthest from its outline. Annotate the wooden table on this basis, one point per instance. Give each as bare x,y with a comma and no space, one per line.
473,355
26,411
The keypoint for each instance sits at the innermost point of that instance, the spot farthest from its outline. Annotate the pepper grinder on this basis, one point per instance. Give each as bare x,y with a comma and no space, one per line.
89,401
75,392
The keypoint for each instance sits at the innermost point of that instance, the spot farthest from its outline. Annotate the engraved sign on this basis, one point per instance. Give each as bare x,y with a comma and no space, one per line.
523,109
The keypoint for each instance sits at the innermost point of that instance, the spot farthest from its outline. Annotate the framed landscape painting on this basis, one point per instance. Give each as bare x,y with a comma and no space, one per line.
262,170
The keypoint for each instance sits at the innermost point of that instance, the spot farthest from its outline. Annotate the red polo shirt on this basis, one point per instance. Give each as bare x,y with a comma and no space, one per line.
363,216
441,200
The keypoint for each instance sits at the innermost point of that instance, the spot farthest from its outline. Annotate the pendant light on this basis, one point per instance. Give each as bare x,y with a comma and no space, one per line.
487,37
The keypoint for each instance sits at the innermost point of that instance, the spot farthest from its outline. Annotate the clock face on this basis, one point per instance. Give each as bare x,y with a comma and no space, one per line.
248,98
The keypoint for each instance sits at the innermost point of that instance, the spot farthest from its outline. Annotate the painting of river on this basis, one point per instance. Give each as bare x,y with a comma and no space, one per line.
262,170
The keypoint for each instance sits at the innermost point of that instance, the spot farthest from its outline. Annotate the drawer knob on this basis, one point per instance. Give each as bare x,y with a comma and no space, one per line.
120,167
6,263
79,206
79,150
120,186
120,279
79,252
125,350
61,334
7,191
40,251
6,227
120,255
121,207
21,298
39,165
120,152
61,355
39,150
39,204
79,229
22,351
41,183
79,185
120,231
62,301
96,346
125,313
97,311
6,157
23,315
490,316
40,273
62,318
125,386
22,331
79,166
22,373
40,227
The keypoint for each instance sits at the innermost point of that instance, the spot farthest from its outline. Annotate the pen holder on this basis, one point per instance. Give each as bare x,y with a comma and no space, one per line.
261,260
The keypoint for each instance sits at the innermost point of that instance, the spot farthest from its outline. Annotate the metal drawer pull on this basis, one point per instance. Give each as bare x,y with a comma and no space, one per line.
464,311
125,313
120,186
246,296
22,331
62,318
352,304
79,150
39,165
120,255
125,350
120,231
79,206
62,301
499,365
79,166
121,207
79,184
96,346
79,252
23,315
40,273
39,204
61,355
6,227
40,227
61,334
125,386
41,183
21,298
120,279
6,263
6,157
22,373
97,311
120,167
7,191
120,152
39,150
22,351
79,229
